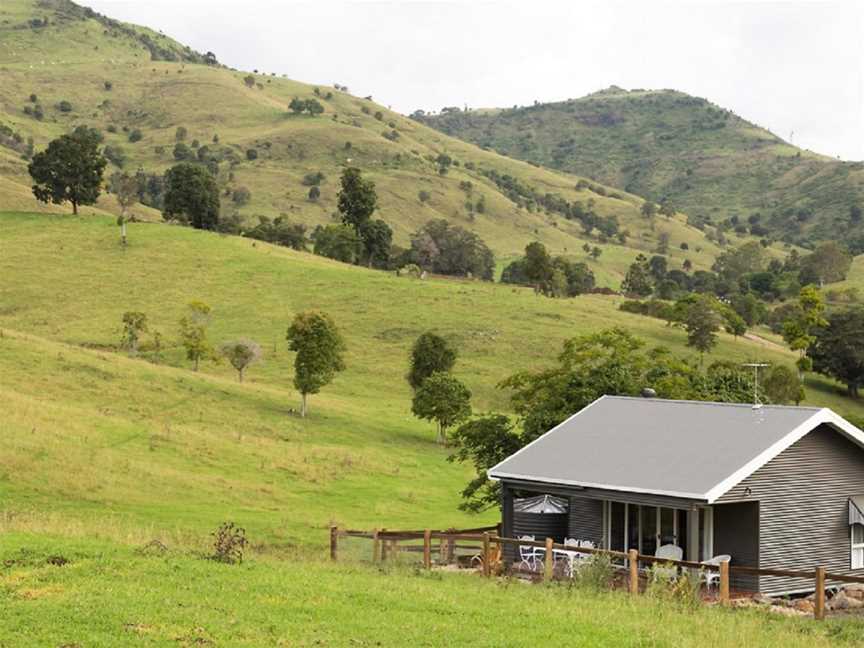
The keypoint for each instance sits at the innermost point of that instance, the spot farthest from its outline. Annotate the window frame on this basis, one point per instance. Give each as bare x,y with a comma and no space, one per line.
856,552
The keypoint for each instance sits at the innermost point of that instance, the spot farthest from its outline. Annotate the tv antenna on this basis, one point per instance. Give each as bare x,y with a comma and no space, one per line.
756,366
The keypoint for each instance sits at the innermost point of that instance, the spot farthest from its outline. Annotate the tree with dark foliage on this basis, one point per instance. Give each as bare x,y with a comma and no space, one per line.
191,196
69,169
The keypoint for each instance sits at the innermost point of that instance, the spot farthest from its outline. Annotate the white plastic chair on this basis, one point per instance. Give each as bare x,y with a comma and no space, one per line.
712,577
668,552
528,553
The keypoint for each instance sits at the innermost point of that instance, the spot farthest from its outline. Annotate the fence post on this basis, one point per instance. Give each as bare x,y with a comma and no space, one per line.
487,555
819,602
427,548
376,547
334,541
724,582
633,558
547,560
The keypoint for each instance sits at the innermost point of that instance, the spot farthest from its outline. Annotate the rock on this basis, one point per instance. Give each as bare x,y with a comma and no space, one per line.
855,591
804,605
839,602
763,599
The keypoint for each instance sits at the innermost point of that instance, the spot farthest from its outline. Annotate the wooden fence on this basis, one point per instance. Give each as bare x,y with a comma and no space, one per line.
480,541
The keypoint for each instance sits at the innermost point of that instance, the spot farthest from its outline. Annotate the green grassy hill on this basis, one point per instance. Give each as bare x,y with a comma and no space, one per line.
101,453
711,163
73,57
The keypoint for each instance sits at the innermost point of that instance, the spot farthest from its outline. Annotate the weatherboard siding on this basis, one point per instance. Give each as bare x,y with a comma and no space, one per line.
586,519
803,495
736,533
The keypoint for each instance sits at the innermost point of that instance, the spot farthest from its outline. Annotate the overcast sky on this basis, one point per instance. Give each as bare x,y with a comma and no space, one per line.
795,67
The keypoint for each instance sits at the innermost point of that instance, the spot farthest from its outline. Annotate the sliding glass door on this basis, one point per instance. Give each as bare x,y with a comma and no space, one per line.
645,528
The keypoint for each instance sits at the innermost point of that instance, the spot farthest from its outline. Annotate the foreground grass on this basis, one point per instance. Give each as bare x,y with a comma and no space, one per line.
109,595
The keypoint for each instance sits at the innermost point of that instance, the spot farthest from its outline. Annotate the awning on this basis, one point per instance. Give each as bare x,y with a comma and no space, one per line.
856,509
541,504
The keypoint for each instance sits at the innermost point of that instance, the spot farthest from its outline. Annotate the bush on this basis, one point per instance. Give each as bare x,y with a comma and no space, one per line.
280,232
33,98
111,128
251,154
666,584
313,179
135,136
115,154
241,196
314,194
229,541
410,270
180,133
109,86
182,152
424,196
64,106
37,112
595,573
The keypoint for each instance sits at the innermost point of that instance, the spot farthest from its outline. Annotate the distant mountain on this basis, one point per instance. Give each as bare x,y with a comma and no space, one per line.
667,145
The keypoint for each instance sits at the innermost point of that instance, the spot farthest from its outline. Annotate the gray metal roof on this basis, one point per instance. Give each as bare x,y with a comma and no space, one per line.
679,448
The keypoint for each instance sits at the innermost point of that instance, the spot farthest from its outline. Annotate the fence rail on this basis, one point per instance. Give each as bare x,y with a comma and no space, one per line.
482,540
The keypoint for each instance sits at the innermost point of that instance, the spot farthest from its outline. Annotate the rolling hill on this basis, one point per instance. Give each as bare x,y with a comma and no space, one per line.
123,78
667,145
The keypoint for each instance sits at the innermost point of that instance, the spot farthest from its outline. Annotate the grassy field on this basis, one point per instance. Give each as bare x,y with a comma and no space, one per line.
107,595
102,453
707,160
71,59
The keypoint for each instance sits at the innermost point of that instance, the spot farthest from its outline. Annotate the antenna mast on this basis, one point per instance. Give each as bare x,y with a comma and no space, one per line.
756,366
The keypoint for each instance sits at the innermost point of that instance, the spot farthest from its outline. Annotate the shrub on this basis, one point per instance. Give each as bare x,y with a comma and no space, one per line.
180,133
37,112
135,136
64,106
229,541
313,179
33,98
182,152
111,128
241,196
379,115
314,194
410,270
595,573
392,135
424,196
251,154
109,86
665,583
115,154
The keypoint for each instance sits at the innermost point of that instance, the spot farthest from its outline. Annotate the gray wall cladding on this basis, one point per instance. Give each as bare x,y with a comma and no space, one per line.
736,533
586,519
802,495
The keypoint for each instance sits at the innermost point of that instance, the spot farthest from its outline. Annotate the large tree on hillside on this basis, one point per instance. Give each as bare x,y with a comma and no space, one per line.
444,399
357,200
799,329
638,280
430,354
69,169
838,348
319,346
828,263
538,266
192,196
126,190
702,323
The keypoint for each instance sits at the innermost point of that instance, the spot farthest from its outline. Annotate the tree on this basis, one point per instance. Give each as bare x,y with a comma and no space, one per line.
596,252
638,278
126,189
313,106
838,348
443,399
649,209
338,242
180,133
69,169
297,105
538,266
134,324
357,199
241,354
314,193
782,385
193,333
249,80
430,354
319,346
747,258
829,262
449,249
735,324
377,239
182,152
800,327
485,442
702,323
192,196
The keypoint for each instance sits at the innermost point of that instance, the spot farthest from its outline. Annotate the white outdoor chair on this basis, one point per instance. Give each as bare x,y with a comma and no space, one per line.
528,553
668,552
712,577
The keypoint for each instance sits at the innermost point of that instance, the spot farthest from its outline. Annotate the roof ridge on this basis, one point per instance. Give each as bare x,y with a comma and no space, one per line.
684,401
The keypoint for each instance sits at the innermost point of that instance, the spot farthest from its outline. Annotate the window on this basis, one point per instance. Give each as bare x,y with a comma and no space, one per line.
858,546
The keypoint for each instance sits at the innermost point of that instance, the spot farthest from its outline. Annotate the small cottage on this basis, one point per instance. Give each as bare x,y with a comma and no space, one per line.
771,486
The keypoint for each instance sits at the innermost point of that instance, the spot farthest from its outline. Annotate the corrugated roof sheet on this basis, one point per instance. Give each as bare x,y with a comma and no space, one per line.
677,448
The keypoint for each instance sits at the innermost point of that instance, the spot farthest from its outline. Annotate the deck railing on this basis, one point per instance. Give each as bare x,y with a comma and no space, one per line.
485,547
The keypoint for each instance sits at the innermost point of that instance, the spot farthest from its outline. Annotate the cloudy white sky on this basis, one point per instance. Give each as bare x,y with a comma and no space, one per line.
795,67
